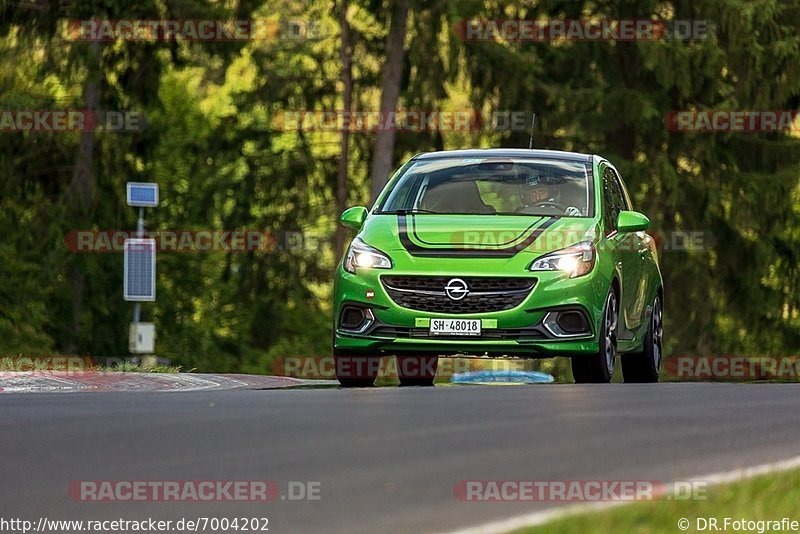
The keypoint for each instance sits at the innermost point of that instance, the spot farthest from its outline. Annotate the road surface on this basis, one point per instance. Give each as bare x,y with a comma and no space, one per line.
387,459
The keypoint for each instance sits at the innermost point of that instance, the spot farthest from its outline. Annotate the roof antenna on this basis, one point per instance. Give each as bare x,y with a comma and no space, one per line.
533,123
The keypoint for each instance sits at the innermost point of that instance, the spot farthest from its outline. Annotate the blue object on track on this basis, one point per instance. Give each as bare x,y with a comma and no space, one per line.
502,376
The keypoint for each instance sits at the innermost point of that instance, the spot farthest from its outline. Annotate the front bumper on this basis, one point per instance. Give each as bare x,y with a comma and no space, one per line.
520,331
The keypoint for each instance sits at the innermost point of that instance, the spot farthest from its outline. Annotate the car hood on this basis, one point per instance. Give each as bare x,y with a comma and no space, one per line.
475,235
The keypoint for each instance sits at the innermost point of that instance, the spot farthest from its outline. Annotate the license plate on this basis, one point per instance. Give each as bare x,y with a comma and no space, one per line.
455,327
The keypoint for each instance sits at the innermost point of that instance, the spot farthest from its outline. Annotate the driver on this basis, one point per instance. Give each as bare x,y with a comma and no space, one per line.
541,190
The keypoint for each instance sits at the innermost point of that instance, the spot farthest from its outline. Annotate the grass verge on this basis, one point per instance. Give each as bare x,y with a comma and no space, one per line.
769,497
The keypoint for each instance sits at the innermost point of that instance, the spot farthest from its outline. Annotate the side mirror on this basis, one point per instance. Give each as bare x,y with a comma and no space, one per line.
632,221
354,217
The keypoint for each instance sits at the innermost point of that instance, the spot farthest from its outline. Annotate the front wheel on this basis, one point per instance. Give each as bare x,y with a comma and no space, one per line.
645,366
599,367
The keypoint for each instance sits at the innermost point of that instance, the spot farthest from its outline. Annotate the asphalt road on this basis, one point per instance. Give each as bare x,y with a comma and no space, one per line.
388,458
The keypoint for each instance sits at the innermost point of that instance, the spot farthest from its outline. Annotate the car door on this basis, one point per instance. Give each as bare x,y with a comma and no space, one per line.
628,261
640,243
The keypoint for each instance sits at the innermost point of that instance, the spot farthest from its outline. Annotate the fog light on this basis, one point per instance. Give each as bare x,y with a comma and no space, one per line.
572,322
567,323
355,319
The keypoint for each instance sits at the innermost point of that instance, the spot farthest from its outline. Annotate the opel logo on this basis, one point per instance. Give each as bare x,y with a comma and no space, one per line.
456,289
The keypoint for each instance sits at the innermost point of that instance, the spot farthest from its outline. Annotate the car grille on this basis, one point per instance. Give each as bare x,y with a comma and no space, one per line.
486,294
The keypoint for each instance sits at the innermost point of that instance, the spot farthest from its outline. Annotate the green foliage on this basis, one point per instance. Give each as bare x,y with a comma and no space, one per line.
213,142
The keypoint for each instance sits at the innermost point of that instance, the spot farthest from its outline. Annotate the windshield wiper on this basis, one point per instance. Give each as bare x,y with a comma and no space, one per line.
407,211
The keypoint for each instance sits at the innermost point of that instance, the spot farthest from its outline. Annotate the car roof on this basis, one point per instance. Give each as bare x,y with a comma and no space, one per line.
507,153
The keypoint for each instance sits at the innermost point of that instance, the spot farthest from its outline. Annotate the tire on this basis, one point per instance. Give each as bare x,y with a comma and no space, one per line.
417,370
599,367
645,366
356,370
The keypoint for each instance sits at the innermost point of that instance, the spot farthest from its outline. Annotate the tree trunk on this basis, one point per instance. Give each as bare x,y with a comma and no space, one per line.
346,57
383,157
81,191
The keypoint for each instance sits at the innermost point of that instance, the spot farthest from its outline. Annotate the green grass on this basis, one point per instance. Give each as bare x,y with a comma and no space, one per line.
126,367
65,363
768,497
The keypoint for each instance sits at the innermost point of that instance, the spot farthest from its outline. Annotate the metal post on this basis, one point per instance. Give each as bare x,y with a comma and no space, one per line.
137,306
140,224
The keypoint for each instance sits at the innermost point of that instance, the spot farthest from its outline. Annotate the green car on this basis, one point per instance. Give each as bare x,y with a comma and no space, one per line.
499,253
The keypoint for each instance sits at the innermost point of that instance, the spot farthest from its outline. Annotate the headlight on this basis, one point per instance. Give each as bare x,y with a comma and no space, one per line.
362,255
576,260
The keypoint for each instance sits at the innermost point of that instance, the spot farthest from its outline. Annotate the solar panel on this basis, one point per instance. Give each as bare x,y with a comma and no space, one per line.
142,195
140,270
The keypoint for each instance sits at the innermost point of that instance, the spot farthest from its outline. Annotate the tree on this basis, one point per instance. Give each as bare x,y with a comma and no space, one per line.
346,57
383,156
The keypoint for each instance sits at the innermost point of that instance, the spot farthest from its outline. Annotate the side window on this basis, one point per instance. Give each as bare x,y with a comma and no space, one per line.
626,199
613,199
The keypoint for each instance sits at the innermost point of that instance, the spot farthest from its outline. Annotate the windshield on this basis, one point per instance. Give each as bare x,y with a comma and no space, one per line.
493,186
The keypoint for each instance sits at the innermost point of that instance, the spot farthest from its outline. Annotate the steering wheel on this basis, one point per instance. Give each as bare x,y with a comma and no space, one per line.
549,204
549,207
